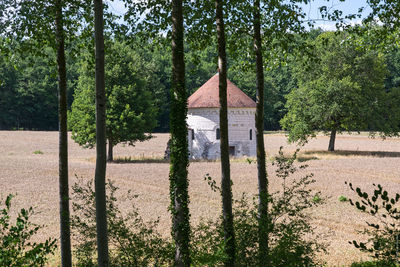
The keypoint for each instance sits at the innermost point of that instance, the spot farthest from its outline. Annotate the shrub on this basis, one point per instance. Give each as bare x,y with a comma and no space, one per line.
38,152
207,244
290,227
317,198
343,199
15,247
132,241
383,227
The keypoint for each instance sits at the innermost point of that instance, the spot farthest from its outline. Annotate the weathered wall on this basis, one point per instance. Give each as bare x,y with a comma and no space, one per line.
205,121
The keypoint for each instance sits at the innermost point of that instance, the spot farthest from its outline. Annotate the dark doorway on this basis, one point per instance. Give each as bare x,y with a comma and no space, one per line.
231,150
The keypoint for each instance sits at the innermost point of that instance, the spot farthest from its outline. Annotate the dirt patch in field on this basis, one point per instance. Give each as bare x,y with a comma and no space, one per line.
358,159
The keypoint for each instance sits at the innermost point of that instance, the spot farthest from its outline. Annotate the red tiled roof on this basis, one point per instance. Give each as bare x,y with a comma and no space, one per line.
207,96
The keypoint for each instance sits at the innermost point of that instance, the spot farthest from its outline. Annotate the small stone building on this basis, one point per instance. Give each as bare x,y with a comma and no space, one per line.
203,122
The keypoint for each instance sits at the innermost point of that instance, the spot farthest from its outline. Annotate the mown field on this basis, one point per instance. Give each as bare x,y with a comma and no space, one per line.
358,159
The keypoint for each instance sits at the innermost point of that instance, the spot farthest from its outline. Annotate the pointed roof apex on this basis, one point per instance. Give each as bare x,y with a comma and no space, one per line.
207,96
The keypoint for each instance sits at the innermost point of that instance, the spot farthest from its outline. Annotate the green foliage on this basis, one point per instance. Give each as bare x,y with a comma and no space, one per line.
28,93
131,113
8,92
32,24
341,91
373,264
133,242
317,198
343,199
28,90
383,226
393,63
38,152
207,244
392,84
384,13
289,226
16,249
28,83
278,83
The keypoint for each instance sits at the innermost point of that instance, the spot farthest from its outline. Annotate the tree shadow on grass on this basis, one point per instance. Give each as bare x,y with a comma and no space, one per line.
306,158
350,153
124,160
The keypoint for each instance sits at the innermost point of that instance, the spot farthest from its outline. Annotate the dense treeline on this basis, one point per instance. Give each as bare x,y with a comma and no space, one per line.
28,83
28,95
28,92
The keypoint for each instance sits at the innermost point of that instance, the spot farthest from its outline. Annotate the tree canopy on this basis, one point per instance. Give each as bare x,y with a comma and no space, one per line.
279,81
343,90
131,113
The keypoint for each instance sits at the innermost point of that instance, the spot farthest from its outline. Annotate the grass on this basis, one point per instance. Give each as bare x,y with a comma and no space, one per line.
358,159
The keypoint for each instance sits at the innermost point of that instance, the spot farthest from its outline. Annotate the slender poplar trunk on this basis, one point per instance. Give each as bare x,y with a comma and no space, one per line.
101,151
179,159
332,139
226,190
110,156
263,235
65,231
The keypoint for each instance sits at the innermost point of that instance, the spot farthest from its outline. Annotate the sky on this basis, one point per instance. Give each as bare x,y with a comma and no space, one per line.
348,7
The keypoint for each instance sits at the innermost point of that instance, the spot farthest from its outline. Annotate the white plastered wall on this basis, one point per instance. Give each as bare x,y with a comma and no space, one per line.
205,121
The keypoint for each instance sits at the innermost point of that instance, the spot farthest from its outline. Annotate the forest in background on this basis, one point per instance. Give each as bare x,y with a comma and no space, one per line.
28,82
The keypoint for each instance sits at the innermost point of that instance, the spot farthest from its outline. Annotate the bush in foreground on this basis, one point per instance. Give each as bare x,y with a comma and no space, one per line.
383,226
290,225
16,249
134,242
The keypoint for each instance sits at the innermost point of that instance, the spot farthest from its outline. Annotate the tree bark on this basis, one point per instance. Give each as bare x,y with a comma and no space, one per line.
101,155
263,234
179,159
110,156
65,231
226,190
332,139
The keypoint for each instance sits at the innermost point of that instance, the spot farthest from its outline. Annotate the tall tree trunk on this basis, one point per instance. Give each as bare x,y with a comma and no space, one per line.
65,231
229,234
263,235
179,159
332,139
101,155
110,156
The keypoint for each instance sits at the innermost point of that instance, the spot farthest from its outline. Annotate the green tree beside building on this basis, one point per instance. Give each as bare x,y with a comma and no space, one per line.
341,90
131,113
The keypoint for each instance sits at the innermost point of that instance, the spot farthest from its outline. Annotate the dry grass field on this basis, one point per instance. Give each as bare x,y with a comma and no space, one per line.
34,178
